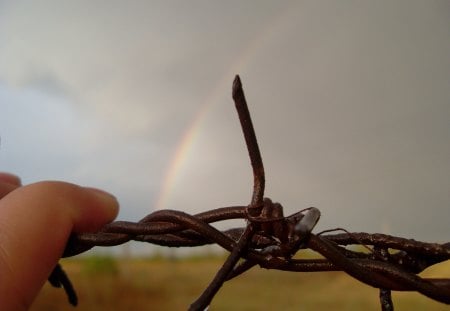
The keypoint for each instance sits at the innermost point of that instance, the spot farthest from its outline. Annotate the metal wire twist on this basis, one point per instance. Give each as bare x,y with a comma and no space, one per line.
270,240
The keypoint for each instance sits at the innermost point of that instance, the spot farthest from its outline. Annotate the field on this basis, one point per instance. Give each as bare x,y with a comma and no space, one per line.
104,283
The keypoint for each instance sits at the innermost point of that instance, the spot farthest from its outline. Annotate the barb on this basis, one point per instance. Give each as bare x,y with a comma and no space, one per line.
270,240
252,143
385,294
253,211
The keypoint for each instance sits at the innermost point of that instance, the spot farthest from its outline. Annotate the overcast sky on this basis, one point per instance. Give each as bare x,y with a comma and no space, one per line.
350,101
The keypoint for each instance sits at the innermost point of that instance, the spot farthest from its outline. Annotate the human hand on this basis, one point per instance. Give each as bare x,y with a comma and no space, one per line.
35,222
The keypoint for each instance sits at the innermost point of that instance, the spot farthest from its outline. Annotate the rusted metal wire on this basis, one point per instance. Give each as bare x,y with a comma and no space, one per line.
270,240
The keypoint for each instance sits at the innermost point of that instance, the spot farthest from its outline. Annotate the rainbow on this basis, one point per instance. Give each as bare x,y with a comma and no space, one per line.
222,87
180,156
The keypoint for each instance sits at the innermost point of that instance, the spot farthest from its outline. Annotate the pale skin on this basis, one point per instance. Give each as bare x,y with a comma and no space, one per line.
35,222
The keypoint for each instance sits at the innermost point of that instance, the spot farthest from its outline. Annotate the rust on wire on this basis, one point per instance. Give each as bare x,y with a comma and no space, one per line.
271,239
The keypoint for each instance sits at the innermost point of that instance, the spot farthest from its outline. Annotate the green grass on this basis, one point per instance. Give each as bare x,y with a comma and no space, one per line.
145,284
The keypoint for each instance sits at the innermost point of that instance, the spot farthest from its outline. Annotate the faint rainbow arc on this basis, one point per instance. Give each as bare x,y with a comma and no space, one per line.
179,157
187,140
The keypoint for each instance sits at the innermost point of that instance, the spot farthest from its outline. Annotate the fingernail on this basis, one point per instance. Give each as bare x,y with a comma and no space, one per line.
106,198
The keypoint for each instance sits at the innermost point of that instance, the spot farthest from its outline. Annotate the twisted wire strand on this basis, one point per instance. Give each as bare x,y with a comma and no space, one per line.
178,229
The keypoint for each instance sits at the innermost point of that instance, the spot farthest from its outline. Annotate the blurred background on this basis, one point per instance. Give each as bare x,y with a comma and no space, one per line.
349,99
107,283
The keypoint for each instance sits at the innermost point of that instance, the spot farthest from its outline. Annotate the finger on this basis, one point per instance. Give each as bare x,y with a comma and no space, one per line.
8,182
35,223
10,178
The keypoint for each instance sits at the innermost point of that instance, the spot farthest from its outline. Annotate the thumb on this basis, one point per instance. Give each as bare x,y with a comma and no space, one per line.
35,223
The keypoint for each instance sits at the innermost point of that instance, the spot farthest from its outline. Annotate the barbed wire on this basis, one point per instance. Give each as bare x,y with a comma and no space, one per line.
271,240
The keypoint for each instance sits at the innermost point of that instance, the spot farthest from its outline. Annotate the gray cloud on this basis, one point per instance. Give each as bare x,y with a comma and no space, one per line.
350,104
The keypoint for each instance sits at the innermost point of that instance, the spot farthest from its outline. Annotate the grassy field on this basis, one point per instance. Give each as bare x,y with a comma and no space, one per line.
152,284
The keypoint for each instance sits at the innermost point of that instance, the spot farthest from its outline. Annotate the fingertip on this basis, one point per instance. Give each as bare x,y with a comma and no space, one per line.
35,223
101,209
10,179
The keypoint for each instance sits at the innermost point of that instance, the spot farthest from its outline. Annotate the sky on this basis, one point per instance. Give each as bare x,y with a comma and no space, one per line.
350,102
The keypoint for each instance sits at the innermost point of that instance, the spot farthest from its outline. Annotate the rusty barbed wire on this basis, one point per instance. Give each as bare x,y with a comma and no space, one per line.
271,240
